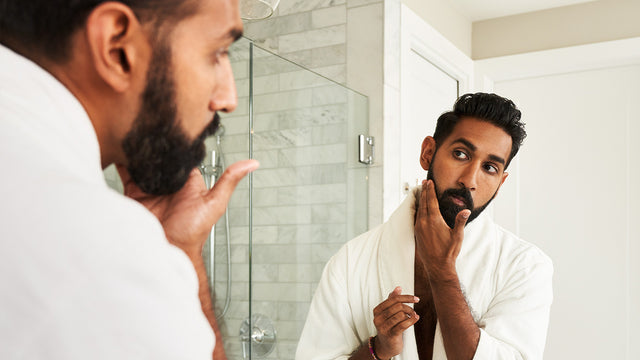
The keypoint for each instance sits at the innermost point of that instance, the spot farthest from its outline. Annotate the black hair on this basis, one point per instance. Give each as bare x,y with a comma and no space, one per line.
44,27
491,108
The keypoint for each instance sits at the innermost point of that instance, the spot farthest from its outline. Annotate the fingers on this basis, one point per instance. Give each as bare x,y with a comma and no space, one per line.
423,203
401,326
461,220
397,322
432,199
218,197
394,298
398,308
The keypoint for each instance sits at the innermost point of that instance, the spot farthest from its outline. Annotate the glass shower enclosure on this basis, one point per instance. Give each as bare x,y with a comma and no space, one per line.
285,220
307,199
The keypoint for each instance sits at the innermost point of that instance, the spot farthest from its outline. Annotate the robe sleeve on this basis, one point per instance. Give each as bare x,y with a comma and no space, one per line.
329,332
515,324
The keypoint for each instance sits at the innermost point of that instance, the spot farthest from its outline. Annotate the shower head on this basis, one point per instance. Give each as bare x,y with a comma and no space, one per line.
257,9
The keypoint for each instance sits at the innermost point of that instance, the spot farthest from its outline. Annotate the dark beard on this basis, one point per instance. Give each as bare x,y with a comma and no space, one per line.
449,209
160,155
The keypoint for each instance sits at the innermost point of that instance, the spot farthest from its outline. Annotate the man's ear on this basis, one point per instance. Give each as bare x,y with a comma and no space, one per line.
119,47
504,177
428,149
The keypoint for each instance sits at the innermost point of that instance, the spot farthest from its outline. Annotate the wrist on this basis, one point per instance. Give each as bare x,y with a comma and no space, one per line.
377,350
442,273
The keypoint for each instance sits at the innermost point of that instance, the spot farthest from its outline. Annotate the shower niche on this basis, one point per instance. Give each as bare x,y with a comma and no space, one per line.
309,196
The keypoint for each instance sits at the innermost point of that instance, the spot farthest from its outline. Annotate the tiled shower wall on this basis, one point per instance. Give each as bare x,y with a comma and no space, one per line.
301,192
344,41
304,194
311,33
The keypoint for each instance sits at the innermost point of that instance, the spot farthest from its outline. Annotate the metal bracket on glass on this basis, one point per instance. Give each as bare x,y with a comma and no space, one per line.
365,149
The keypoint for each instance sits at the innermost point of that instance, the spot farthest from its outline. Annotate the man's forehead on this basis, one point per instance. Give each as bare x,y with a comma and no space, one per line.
483,135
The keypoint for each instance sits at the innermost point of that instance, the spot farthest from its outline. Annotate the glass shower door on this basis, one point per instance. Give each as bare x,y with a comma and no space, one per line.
310,194
306,200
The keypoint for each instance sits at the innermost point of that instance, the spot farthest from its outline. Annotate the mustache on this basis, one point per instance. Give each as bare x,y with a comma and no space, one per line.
462,193
210,129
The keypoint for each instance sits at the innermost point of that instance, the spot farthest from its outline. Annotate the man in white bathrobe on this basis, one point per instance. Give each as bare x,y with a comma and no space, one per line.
439,280
87,273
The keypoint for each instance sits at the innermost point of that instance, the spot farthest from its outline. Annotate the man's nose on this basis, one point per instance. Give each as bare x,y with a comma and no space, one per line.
224,96
468,178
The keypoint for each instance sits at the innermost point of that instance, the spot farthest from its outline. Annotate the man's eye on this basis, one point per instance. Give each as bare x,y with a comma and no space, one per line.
220,54
491,169
460,154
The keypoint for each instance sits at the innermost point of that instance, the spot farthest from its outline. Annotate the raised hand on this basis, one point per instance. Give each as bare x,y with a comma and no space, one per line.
391,318
437,245
188,215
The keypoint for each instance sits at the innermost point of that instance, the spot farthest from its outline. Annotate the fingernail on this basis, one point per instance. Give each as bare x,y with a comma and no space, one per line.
416,299
466,214
254,165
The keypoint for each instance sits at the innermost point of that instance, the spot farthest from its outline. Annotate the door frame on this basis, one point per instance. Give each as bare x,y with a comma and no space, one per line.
417,36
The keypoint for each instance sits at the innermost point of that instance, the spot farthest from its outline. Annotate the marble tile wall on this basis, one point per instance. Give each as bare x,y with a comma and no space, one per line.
302,203
344,40
311,33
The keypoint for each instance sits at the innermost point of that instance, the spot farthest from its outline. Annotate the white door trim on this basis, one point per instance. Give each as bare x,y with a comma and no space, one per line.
418,36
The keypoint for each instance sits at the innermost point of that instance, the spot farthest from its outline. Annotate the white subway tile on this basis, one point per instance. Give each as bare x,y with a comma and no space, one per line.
332,35
295,273
331,94
264,272
329,16
329,134
291,310
296,6
311,155
283,101
301,79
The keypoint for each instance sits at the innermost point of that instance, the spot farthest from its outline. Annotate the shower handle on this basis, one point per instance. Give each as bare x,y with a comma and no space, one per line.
259,334
365,149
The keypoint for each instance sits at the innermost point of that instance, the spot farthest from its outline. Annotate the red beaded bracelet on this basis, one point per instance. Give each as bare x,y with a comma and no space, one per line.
373,353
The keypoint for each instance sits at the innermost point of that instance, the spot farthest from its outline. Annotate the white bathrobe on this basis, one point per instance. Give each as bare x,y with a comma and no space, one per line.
85,273
506,281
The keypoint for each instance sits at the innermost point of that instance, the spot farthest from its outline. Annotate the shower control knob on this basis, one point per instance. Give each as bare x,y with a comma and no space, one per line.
260,334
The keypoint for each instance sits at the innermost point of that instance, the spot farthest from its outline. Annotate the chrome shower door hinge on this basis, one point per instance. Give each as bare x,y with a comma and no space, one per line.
366,148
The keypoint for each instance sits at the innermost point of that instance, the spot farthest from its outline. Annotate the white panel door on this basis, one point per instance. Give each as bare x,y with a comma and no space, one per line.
429,92
574,193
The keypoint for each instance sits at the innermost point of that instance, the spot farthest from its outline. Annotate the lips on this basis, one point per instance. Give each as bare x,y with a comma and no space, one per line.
459,201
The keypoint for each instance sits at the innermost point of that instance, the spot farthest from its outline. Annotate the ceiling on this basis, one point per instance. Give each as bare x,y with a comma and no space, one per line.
476,10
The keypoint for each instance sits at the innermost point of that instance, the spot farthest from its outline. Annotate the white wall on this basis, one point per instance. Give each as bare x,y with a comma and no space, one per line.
572,189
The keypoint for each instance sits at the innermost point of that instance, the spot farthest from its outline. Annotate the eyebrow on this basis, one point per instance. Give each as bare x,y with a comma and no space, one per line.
472,147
